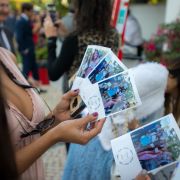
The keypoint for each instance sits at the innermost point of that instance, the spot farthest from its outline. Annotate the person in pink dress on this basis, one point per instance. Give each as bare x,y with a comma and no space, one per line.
32,132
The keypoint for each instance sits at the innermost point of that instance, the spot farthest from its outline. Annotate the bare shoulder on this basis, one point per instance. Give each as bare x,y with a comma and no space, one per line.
9,53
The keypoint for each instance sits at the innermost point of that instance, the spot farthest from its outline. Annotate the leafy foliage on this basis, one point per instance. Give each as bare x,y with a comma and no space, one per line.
165,44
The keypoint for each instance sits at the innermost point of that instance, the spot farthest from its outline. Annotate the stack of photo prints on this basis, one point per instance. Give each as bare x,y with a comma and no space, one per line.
106,85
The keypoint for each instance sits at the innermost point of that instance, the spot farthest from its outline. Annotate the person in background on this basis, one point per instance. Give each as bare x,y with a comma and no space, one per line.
91,27
6,37
26,47
66,24
92,20
10,22
8,168
172,103
133,34
36,23
32,132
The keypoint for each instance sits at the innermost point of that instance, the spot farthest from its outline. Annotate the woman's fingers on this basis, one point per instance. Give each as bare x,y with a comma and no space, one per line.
96,130
88,119
143,175
75,130
89,134
71,94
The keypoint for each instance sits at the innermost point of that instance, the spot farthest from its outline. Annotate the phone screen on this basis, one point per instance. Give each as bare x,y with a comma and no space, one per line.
52,11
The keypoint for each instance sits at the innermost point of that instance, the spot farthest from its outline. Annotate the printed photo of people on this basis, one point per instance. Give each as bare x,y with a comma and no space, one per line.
109,66
157,144
91,59
117,93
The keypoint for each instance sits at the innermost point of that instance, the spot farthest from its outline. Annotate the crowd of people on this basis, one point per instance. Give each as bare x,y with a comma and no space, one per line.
26,132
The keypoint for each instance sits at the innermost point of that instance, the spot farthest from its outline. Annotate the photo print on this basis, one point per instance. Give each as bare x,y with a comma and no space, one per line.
152,147
157,144
109,66
111,95
106,85
92,57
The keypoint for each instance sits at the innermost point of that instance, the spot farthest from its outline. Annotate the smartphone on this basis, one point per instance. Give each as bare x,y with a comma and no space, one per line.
51,8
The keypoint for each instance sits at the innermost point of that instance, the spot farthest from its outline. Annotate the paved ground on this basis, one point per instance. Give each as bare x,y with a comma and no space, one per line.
55,157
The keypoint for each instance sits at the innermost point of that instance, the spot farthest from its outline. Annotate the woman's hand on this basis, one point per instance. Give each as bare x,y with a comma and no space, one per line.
62,110
143,176
75,130
62,30
49,28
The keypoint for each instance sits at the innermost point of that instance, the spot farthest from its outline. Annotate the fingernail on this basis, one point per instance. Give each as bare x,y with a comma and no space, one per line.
76,90
144,172
95,114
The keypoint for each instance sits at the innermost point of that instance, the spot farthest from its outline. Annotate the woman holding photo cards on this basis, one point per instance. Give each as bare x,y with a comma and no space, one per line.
31,132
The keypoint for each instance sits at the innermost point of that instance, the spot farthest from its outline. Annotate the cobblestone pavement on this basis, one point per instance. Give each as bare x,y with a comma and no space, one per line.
55,157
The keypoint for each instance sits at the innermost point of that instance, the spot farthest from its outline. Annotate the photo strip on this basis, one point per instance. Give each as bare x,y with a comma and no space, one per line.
111,95
151,147
92,57
109,66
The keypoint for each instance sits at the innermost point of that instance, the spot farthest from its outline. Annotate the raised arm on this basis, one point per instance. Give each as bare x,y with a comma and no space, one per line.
58,65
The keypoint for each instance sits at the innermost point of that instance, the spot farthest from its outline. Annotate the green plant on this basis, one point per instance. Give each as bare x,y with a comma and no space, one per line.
61,9
164,45
42,53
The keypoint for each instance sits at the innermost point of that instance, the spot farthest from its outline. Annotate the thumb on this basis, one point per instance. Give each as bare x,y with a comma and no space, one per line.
89,118
70,94
96,130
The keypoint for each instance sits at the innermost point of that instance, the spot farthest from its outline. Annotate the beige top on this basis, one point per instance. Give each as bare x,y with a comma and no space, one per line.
16,119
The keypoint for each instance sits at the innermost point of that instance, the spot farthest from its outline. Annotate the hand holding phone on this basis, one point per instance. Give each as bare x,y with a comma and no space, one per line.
51,8
49,28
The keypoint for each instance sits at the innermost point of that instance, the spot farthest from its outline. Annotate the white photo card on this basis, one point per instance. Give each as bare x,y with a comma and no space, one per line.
111,95
91,58
106,85
109,66
151,147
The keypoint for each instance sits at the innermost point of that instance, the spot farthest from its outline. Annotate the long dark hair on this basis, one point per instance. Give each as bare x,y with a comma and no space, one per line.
92,14
172,105
8,169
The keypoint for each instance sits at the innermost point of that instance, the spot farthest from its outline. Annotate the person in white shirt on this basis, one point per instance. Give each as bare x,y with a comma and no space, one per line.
133,33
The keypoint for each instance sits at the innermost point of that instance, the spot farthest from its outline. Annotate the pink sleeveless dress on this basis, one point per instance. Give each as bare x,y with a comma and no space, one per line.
16,119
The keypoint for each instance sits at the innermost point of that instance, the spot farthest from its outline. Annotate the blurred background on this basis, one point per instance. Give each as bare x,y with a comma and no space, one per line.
159,22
